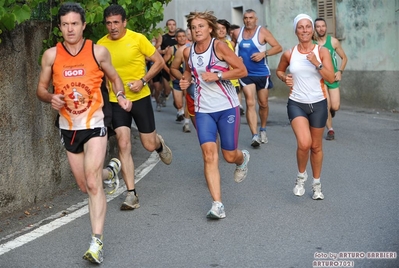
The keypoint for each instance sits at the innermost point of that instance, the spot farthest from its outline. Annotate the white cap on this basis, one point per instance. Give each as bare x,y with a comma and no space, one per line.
300,17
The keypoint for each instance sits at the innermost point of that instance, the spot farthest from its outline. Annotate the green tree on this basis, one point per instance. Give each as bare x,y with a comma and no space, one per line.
142,16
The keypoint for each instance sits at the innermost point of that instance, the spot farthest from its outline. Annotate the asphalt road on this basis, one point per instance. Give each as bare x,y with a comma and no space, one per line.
356,225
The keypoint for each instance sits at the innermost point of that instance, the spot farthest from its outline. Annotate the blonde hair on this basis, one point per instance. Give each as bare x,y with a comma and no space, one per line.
207,16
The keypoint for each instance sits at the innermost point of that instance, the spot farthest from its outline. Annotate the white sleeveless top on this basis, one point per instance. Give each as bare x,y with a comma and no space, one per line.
308,84
216,96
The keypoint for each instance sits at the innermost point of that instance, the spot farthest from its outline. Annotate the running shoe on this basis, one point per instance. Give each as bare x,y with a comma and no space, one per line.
159,107
241,171
217,211
186,128
179,117
317,194
131,202
112,183
95,252
166,154
299,189
162,100
263,137
255,142
330,135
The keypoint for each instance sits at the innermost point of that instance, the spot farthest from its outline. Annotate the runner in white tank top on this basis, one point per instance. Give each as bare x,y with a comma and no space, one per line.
307,104
308,83
211,96
216,103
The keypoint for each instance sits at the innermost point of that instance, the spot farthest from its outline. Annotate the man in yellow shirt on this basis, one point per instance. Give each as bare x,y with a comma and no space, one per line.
128,52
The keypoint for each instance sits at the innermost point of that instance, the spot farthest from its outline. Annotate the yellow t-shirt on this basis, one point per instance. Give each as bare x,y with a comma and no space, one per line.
234,81
128,57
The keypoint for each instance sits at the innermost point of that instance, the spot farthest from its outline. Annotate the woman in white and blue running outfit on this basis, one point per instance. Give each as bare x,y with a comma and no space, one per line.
217,109
309,65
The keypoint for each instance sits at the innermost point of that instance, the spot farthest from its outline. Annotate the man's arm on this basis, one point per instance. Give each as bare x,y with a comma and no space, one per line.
56,100
177,61
185,80
158,64
341,53
266,36
168,54
269,38
45,75
158,41
104,57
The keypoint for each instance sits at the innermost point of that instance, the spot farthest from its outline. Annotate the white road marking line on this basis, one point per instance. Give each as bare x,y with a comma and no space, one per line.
78,210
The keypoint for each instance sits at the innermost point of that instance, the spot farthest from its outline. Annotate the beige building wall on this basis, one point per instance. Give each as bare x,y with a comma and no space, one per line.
231,11
367,29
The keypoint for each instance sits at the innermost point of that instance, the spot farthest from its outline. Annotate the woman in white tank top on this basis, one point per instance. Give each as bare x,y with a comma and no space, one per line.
216,103
309,66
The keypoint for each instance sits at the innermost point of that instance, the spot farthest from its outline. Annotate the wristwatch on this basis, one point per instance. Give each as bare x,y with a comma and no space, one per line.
144,82
220,76
320,66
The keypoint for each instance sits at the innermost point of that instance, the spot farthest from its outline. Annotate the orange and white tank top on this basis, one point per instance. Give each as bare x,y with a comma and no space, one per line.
79,79
308,84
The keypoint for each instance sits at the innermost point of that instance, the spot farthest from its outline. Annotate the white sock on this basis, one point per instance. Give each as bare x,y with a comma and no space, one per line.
302,174
316,180
187,121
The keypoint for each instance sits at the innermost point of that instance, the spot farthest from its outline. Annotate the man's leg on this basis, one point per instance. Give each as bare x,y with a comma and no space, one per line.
239,90
166,89
333,102
186,126
157,94
263,101
252,117
125,155
178,99
87,168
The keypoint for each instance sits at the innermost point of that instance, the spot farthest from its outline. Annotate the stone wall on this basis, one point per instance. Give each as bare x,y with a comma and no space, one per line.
33,163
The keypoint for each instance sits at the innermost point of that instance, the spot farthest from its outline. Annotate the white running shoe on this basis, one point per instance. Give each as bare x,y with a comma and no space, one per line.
255,142
186,128
299,188
166,154
217,211
241,171
131,202
112,184
317,194
95,252
263,137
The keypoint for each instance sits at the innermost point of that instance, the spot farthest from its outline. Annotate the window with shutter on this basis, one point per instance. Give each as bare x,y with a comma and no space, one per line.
326,10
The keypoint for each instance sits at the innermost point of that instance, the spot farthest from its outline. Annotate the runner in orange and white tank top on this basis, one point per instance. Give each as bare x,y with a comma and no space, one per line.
74,68
309,66
79,79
